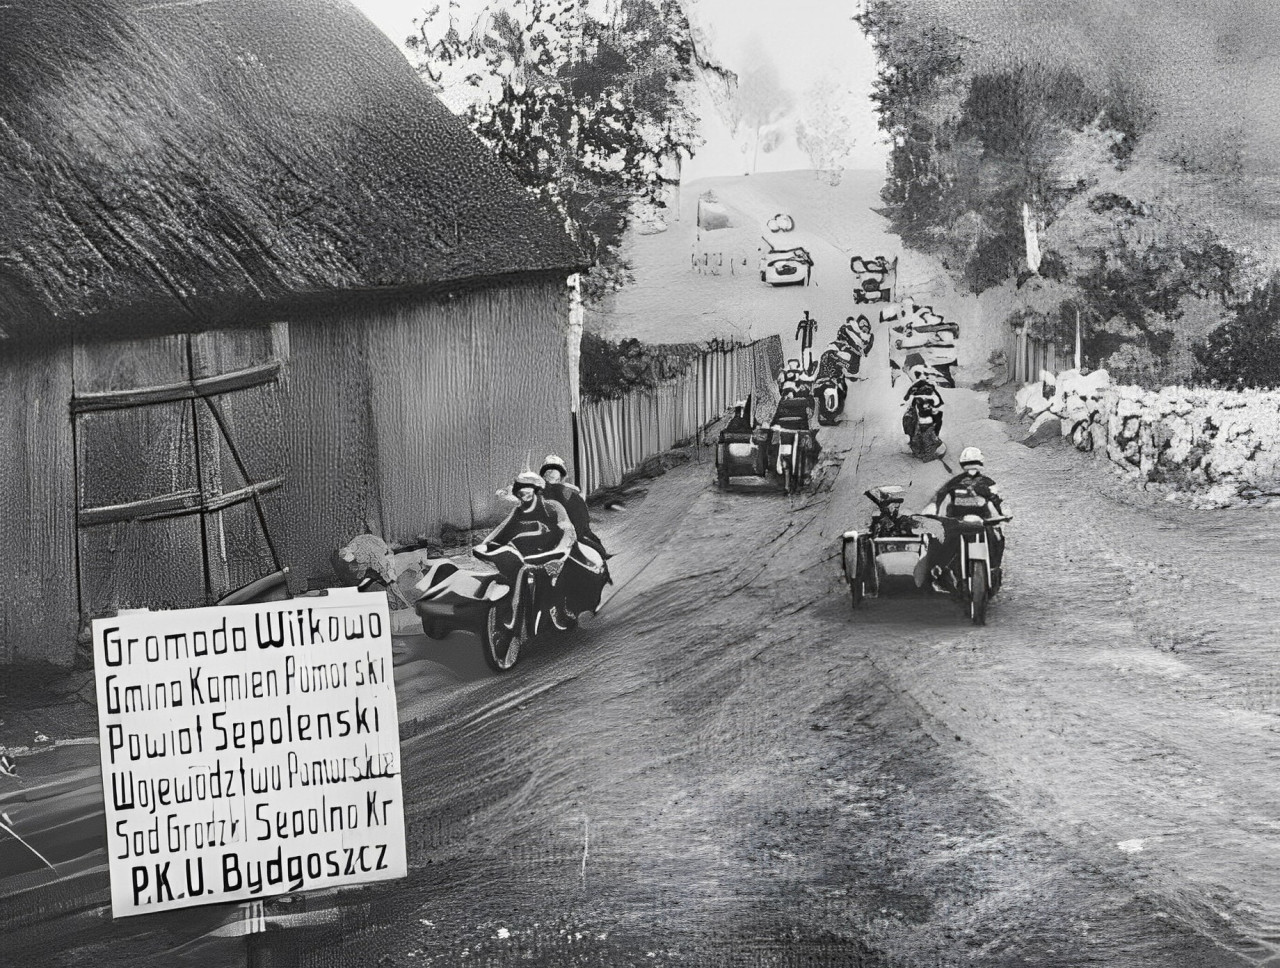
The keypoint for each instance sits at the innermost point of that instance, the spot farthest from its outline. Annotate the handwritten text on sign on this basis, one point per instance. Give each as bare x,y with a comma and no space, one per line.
248,750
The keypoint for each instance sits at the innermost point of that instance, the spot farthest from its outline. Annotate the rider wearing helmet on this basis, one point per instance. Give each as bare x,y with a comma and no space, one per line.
570,497
868,337
969,492
925,390
536,525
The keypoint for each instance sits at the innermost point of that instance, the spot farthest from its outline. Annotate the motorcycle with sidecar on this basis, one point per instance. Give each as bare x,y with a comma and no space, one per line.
783,451
510,597
893,550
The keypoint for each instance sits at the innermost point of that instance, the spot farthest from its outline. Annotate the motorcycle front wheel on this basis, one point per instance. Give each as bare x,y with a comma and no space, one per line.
978,593
501,645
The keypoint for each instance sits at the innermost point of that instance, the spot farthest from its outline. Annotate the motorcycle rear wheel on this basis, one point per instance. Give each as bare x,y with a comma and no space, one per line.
501,646
978,593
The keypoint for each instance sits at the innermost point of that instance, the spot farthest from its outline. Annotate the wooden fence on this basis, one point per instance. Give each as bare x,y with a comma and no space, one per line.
617,436
1030,355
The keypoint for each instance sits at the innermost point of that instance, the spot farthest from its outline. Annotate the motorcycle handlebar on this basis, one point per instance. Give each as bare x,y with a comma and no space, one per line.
994,519
536,559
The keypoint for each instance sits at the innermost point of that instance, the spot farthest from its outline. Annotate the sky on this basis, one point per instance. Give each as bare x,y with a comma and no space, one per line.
806,39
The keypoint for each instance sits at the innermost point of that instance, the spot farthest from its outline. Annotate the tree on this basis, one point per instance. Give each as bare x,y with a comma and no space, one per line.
823,129
1132,232
761,99
1245,352
588,111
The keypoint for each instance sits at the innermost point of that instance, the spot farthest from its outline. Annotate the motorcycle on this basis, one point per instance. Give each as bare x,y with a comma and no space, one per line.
911,328
921,426
793,381
971,576
831,395
511,605
830,387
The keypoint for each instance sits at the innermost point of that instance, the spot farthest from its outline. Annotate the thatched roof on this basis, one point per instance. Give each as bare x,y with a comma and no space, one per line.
185,159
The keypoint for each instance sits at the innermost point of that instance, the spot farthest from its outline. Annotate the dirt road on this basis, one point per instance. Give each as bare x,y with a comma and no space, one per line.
731,767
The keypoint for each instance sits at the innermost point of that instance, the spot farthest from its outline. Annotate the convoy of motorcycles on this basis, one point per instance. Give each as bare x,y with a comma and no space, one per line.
515,589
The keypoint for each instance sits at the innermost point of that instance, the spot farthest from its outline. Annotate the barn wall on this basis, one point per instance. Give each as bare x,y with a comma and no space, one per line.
39,609
328,494
465,391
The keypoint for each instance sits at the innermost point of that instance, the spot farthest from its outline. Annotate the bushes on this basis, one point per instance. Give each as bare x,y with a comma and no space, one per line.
1245,352
610,369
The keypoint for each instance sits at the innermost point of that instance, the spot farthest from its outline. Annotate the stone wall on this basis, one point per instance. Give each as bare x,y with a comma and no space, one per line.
1214,446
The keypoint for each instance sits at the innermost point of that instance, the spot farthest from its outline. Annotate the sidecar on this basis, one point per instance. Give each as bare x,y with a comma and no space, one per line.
741,449
786,267
881,557
875,279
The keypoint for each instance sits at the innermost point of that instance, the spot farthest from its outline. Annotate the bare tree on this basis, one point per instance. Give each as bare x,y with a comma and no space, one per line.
762,100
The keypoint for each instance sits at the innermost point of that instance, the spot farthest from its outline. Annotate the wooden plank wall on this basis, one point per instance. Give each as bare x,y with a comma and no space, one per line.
39,609
327,495
465,394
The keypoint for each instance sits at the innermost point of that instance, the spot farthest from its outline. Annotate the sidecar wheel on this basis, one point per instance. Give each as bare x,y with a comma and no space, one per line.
501,645
872,572
858,587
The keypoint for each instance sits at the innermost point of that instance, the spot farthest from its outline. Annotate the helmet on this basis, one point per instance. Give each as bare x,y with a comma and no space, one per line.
864,324
528,479
970,455
553,461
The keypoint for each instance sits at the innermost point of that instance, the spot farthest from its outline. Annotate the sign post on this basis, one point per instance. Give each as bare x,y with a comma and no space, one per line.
248,750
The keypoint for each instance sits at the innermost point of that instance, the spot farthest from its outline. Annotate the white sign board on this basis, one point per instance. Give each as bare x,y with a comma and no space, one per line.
248,750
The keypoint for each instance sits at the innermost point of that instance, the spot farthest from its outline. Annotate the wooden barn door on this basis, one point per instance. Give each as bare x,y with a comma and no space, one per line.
178,456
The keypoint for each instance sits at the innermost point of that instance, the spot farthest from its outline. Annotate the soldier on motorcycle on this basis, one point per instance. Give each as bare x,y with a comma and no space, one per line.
969,492
536,526
561,491
921,391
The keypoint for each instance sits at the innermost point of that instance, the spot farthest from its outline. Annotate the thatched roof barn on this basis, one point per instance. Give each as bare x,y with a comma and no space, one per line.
259,291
